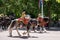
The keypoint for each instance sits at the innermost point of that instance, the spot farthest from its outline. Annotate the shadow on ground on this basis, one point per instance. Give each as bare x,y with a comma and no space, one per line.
24,37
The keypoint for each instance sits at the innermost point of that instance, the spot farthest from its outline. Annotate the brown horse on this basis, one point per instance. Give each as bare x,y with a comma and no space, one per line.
42,23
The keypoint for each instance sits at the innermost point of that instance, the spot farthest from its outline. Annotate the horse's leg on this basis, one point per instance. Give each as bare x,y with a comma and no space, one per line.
28,27
17,29
10,27
40,27
28,33
33,28
44,29
10,32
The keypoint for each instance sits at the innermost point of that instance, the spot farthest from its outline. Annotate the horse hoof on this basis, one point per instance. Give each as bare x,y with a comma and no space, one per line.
10,36
35,31
28,35
45,32
19,35
40,32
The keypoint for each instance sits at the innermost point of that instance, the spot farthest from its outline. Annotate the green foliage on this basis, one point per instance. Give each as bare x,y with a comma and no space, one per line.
51,7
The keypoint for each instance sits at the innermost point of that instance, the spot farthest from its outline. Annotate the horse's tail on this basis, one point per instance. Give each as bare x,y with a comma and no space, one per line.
12,24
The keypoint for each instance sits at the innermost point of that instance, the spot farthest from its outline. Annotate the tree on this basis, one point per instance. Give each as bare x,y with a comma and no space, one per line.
51,7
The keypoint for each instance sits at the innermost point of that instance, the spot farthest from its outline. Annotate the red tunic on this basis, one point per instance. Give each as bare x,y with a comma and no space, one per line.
26,21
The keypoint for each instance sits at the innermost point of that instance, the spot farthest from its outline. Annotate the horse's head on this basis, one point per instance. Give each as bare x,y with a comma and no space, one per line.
46,19
33,21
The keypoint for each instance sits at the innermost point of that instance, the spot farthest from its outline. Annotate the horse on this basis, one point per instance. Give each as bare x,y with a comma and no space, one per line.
42,22
17,23
33,23
21,22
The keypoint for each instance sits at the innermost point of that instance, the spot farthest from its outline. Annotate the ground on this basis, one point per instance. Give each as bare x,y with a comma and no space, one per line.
50,35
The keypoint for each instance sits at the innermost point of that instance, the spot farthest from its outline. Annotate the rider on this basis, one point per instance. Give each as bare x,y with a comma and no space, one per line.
26,19
23,14
41,23
39,18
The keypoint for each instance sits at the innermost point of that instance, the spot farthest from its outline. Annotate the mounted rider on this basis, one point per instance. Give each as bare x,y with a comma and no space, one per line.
41,23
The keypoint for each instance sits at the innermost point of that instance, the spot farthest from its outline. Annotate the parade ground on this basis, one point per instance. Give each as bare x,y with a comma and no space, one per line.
50,35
